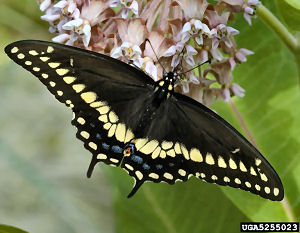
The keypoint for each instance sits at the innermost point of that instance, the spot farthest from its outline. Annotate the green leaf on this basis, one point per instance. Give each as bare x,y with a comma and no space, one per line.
293,3
193,207
10,229
271,112
290,14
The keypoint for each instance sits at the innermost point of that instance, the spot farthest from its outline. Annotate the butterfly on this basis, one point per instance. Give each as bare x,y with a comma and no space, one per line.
125,118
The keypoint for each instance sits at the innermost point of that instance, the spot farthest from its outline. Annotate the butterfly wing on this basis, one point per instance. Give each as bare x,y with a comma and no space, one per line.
187,139
94,86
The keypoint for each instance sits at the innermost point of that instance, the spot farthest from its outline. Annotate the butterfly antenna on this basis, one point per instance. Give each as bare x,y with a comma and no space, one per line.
208,61
155,55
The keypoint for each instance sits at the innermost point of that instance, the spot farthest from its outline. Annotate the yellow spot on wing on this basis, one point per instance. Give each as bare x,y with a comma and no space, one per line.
33,52
93,145
45,76
54,64
81,121
14,50
267,190
60,93
162,154
52,84
171,153
181,172
263,177
139,175
252,171
103,109
232,164
155,153
196,155
248,184
107,126
168,176
242,167
36,69
214,177
226,179
149,147
44,59
101,156
237,180
140,142
209,159
185,152
235,151
257,162
89,97
21,56
120,132
113,118
50,49
61,71
166,145
129,167
103,118
129,136
154,176
221,162
28,63
112,130
177,148
276,191
85,134
98,104
257,187
78,87
114,160
69,79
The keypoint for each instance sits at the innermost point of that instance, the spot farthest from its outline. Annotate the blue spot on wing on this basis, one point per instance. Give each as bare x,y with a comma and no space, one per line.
137,159
159,166
98,136
105,146
146,166
117,149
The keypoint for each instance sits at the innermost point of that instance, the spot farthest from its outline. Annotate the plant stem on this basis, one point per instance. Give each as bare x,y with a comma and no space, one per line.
278,27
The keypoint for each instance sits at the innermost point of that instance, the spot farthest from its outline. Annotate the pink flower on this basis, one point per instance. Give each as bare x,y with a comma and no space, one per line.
237,90
196,29
223,33
179,52
249,10
44,4
80,29
126,5
239,57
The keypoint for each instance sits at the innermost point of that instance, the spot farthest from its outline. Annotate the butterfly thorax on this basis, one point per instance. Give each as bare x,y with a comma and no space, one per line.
165,87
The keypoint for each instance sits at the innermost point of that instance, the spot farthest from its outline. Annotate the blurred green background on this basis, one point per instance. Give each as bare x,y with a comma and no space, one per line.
43,187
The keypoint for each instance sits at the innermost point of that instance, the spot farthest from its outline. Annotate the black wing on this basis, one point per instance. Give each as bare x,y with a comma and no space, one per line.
96,87
187,139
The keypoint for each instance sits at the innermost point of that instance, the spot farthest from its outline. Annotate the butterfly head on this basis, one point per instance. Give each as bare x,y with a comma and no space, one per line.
168,81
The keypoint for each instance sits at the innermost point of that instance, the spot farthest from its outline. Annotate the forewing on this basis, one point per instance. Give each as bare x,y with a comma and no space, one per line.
94,86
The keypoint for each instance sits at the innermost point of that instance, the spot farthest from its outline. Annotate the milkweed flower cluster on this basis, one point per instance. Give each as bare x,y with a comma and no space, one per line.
183,34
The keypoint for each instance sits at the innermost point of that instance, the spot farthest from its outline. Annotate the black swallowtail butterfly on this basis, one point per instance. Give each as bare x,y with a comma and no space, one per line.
155,134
